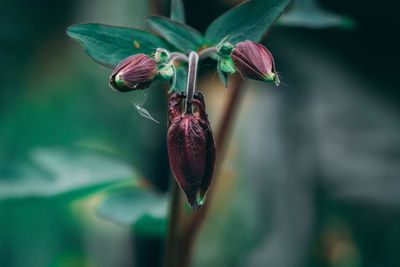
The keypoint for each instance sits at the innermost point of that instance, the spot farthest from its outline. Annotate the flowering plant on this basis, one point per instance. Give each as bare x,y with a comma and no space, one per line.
139,58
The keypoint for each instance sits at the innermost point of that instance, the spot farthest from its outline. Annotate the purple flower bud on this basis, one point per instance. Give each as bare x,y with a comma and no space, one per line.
191,148
254,61
133,73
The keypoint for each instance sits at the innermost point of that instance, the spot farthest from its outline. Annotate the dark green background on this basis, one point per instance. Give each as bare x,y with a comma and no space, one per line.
316,161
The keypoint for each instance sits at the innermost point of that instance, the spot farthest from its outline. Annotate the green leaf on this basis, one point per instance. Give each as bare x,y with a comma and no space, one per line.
308,13
180,35
108,45
177,11
54,171
248,21
142,209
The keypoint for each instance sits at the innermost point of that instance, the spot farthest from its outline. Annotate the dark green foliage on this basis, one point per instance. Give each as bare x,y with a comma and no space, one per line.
248,21
180,35
108,45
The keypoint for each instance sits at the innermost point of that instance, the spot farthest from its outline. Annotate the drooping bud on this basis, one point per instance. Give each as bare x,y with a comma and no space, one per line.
191,148
133,73
254,61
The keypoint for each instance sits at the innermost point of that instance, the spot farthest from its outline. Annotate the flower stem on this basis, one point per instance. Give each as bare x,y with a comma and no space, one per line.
191,83
173,227
178,56
187,242
208,52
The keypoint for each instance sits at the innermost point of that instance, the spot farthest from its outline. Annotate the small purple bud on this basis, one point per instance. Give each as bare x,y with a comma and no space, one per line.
191,149
254,61
133,73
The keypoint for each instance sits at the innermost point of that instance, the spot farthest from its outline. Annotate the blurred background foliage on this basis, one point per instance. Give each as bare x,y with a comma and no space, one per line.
312,176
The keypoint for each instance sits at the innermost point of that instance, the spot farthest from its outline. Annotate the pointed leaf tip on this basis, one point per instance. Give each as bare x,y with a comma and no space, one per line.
247,21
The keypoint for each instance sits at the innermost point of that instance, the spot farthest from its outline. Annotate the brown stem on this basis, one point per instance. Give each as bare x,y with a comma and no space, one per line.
173,227
187,241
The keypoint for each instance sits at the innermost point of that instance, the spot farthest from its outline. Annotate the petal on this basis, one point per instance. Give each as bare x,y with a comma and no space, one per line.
210,145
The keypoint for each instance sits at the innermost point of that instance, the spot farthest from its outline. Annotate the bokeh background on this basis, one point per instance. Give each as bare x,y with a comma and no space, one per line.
312,173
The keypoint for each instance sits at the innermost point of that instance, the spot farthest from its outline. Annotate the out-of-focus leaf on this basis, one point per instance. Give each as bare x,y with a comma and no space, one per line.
307,13
140,208
108,45
180,35
177,10
248,21
56,171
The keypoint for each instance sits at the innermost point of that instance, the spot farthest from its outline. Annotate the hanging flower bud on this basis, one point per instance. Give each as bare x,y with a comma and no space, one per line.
191,148
254,61
133,73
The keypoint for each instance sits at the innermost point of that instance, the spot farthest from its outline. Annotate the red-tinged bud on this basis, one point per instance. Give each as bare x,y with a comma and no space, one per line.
254,61
191,148
133,73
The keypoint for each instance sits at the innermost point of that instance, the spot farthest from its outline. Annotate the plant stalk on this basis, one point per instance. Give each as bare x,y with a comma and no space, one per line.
173,227
191,83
